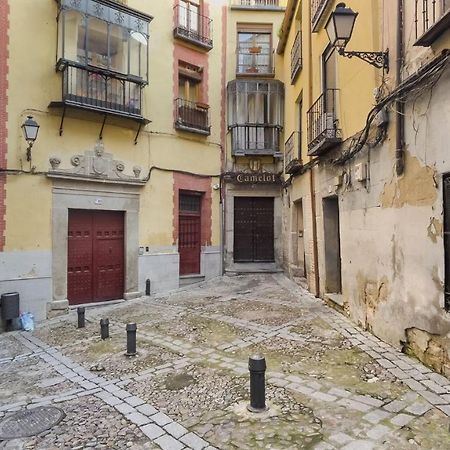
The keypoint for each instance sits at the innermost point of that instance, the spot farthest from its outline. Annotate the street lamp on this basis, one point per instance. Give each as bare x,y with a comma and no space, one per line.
340,29
30,129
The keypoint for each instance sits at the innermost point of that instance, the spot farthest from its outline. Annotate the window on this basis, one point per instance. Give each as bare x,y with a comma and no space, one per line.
189,15
189,82
254,52
93,33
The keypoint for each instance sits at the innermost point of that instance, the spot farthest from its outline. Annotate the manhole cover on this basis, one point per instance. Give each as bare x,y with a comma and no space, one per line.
30,422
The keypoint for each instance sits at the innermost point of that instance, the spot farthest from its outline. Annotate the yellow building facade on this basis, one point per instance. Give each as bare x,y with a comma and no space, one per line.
120,193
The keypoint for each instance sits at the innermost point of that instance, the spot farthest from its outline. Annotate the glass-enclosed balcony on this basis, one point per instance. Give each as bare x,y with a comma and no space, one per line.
103,56
255,116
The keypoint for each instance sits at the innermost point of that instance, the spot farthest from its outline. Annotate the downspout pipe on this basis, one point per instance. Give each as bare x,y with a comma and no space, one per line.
312,181
399,119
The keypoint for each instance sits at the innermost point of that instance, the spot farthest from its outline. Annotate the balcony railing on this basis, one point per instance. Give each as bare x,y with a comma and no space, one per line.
256,4
255,61
192,116
318,7
255,140
296,56
323,123
431,19
101,90
292,153
193,27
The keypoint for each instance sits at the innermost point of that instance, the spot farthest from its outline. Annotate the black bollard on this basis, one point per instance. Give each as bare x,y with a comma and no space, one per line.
257,368
81,317
147,287
131,339
104,328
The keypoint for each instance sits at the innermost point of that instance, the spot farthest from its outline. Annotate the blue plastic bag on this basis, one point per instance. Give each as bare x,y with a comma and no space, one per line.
27,321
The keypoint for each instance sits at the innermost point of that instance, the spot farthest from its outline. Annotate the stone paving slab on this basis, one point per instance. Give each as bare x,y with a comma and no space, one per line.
327,379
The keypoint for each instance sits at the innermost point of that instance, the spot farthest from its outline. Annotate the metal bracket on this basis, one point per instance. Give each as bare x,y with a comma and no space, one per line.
378,59
137,134
61,125
100,136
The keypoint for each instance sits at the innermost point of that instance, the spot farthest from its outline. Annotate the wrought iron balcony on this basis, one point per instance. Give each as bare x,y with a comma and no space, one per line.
193,27
323,124
100,90
256,4
292,153
255,139
192,116
296,56
431,19
318,7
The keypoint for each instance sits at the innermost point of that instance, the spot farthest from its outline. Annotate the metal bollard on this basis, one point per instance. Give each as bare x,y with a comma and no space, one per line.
131,339
257,368
104,328
147,287
81,317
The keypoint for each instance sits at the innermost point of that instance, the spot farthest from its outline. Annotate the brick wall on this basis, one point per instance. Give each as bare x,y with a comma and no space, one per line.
4,26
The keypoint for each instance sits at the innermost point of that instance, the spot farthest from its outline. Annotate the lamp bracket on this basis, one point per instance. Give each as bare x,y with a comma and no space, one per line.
378,59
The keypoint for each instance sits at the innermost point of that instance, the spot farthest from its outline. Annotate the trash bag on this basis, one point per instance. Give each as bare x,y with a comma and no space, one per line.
27,321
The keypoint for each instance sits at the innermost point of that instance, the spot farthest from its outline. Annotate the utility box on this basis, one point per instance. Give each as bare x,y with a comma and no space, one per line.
10,306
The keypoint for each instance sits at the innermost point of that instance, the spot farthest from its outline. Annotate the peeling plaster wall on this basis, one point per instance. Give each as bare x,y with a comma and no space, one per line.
391,228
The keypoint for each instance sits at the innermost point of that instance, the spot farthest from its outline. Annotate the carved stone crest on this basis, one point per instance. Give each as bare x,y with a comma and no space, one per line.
95,165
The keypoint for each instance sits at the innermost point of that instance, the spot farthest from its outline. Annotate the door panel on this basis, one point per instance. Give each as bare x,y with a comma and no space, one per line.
79,261
253,229
95,262
189,242
243,229
108,255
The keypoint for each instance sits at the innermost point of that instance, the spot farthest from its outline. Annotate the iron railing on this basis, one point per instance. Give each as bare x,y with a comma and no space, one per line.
251,62
427,13
255,139
317,9
101,89
193,27
256,3
192,116
323,129
292,153
296,56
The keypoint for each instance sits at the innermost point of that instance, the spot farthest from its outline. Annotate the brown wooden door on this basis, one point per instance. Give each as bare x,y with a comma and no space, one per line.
189,241
95,263
253,229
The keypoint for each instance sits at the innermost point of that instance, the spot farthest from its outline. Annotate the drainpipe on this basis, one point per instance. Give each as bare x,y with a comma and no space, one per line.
311,172
399,119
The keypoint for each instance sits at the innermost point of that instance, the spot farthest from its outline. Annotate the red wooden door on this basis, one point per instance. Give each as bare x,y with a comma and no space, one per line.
189,241
95,263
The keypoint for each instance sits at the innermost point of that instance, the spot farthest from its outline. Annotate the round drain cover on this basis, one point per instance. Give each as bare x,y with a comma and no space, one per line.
30,422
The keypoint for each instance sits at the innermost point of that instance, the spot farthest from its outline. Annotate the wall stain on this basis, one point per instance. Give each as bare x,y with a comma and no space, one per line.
435,229
417,187
371,293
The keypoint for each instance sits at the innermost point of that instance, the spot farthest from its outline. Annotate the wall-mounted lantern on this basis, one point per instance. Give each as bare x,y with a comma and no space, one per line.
30,130
340,29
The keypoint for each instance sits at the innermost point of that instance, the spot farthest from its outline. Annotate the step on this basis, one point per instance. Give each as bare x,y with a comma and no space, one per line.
186,280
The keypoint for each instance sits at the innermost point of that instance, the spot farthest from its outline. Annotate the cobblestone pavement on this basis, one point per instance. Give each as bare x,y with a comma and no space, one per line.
330,385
